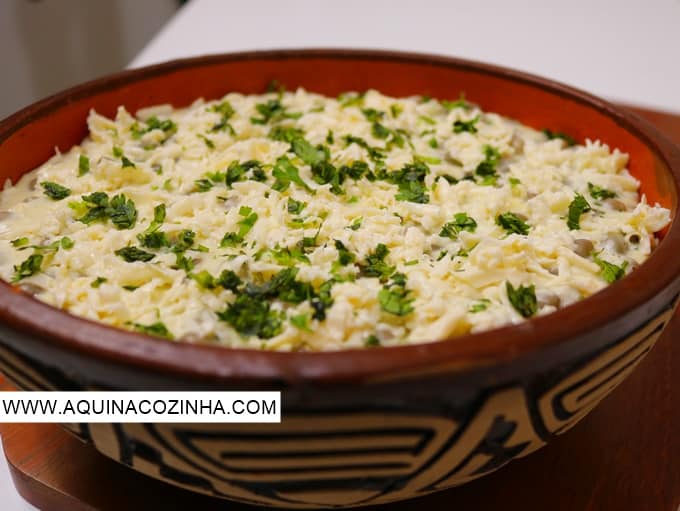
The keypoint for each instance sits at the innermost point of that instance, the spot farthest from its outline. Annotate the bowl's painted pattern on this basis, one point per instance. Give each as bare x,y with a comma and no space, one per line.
359,457
362,426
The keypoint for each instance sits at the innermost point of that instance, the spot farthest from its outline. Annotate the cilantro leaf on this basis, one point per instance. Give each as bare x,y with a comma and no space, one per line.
229,280
285,173
27,268
55,191
395,298
122,212
295,207
132,254
577,207
238,171
609,271
466,126
597,192
157,329
375,265
411,182
83,165
251,316
98,282
551,135
301,322
523,299
461,222
512,223
487,167
372,341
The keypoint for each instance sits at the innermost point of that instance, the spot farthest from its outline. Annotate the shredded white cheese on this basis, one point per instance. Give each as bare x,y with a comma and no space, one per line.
381,221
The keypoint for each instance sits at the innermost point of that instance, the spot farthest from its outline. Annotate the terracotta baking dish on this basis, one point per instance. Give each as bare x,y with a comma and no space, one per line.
362,426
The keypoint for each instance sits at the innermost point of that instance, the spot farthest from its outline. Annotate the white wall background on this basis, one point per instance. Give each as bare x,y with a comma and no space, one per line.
48,45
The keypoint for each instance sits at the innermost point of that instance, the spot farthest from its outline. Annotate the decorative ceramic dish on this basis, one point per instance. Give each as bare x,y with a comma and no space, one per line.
360,426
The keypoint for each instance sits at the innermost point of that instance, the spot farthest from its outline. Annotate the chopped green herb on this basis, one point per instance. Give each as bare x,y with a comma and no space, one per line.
372,341
345,257
204,279
226,111
250,316
356,223
330,139
375,265
466,126
238,172
396,109
55,191
380,131
348,99
551,135
209,143
130,288
395,298
285,173
229,280
433,143
97,207
514,181
122,212
523,299
374,154
301,322
272,110
132,254
157,329
19,242
153,123
461,222
295,207
67,243
487,168
512,223
609,271
479,306
98,282
459,103
83,165
203,185
287,256
308,153
27,268
153,239
245,225
597,192
577,207
411,182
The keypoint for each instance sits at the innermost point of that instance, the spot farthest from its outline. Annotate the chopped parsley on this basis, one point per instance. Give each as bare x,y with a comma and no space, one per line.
461,222
226,111
295,207
132,254
83,165
27,268
552,135
209,143
486,169
345,257
609,271
459,103
153,123
372,341
272,110
245,225
375,154
597,192
238,171
251,315
512,223
356,223
97,207
466,126
395,298
577,207
411,182
20,242
157,329
479,306
98,282
203,185
285,173
375,265
396,109
523,299
55,191
301,322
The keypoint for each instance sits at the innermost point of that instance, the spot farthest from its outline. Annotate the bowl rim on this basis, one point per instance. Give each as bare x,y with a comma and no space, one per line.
24,313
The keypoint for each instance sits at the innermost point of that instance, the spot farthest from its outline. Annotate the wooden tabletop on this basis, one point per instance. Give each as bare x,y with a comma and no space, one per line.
632,466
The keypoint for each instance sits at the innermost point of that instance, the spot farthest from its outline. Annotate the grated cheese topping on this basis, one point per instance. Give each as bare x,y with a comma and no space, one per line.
294,221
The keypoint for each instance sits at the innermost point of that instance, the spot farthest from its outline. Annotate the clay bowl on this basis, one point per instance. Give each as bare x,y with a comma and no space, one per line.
364,426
